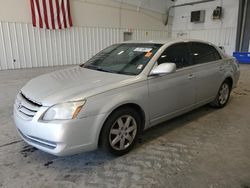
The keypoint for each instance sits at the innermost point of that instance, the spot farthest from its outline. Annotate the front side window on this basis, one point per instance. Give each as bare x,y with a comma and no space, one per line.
177,54
129,59
203,53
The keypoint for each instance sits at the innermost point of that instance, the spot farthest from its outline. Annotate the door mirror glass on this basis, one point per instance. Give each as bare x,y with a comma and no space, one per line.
164,68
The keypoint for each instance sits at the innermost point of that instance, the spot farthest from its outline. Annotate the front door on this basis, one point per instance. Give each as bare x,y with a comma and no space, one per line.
171,93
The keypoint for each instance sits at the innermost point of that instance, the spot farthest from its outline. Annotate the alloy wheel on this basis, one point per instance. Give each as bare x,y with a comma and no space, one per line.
122,132
224,93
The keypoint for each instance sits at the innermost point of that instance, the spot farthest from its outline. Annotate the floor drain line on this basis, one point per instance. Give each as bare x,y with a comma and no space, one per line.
11,143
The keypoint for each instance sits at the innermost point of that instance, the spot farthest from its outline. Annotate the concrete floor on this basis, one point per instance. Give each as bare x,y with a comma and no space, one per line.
205,148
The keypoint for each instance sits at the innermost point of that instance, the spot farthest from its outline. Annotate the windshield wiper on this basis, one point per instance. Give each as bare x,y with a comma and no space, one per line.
105,70
126,73
98,68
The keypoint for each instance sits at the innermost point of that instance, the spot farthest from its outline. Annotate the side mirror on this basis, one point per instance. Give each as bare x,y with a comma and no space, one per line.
164,68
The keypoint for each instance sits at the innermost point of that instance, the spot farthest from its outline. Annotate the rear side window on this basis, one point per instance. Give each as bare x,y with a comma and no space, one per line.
177,54
203,53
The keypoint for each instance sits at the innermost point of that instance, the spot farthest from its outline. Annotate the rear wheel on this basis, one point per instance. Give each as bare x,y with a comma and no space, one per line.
223,95
120,131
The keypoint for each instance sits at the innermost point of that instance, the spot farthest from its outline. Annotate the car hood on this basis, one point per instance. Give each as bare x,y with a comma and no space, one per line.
72,84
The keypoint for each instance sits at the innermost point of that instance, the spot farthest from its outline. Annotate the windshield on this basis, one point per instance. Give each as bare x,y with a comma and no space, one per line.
128,58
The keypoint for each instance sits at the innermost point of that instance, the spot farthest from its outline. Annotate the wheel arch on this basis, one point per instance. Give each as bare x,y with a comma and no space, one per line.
230,80
135,106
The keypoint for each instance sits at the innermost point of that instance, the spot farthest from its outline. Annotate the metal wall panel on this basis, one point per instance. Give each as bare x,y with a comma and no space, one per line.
225,37
23,46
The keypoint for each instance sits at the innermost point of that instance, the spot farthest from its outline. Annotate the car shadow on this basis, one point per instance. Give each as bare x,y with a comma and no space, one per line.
172,124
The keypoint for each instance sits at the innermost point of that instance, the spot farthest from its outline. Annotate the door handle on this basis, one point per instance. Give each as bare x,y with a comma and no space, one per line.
191,76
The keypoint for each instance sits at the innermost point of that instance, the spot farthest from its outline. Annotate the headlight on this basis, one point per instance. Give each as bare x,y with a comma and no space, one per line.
63,111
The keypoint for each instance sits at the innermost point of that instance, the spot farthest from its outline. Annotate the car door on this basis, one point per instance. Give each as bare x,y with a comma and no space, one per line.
209,70
171,93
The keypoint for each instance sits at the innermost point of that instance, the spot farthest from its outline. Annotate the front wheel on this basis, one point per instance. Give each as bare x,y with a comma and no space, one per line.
120,131
223,95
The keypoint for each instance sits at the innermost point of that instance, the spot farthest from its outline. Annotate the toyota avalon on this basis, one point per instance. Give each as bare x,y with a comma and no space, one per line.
126,88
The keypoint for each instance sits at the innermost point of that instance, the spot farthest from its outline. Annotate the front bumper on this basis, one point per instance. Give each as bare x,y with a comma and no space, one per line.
61,138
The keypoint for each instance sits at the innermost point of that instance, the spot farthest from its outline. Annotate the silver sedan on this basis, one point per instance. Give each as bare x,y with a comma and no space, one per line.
124,89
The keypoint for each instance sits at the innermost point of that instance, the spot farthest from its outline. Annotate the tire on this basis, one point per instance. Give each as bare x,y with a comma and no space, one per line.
223,95
120,131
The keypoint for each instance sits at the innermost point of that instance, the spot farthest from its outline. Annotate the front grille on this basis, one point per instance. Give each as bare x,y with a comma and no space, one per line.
38,141
26,107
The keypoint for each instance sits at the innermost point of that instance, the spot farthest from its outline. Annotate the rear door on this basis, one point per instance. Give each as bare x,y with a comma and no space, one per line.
209,70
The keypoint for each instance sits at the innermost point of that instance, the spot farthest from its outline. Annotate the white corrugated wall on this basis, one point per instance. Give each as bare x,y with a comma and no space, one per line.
23,46
225,37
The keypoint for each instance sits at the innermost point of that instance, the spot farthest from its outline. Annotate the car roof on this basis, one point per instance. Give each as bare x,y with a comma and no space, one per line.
167,41
170,41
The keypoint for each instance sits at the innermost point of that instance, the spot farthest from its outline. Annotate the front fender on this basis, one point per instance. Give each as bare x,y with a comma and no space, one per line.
107,102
